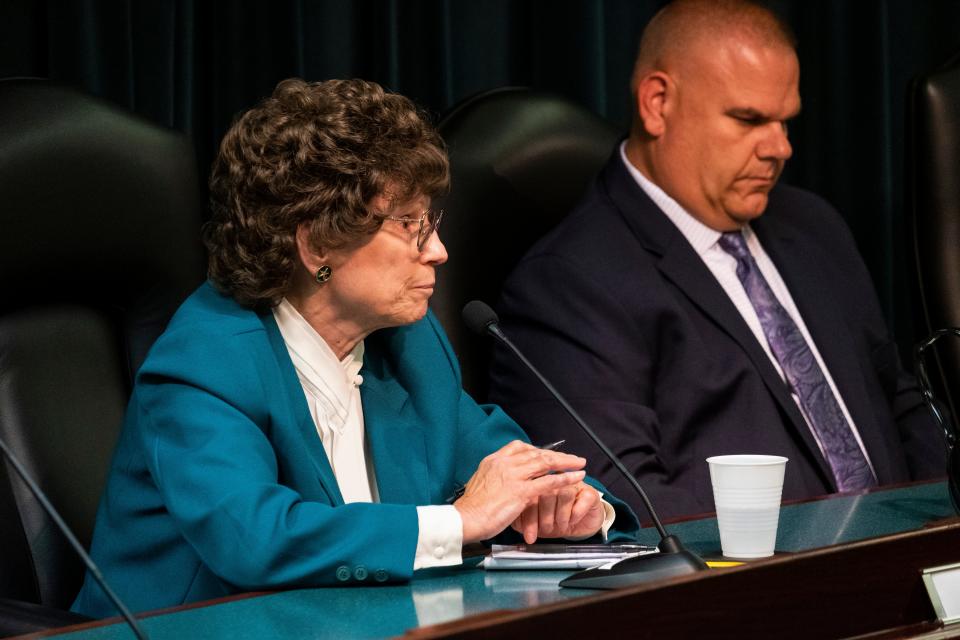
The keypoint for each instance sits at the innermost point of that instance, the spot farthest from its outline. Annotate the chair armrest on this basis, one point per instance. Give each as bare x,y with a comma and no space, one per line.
18,617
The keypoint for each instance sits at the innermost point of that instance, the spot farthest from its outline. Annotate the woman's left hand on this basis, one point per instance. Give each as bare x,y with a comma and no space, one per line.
572,512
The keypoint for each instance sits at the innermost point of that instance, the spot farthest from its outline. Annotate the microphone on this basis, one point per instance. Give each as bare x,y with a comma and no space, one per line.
673,558
950,431
72,539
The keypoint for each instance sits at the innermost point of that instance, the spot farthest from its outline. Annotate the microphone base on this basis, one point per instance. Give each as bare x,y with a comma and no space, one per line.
672,560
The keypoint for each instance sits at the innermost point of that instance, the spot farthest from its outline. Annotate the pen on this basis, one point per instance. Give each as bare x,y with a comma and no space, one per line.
553,446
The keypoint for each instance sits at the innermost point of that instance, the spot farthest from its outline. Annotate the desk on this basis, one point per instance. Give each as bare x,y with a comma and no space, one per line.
861,583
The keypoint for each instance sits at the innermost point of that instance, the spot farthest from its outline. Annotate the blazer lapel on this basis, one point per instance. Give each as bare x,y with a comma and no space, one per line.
800,266
680,264
396,441
305,426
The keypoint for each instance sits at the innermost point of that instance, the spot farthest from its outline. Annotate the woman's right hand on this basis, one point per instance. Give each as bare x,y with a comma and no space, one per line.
509,480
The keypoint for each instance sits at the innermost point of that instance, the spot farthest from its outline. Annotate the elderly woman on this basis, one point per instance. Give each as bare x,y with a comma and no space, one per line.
301,421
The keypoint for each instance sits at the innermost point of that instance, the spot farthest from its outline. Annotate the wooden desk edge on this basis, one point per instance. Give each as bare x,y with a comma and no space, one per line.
797,595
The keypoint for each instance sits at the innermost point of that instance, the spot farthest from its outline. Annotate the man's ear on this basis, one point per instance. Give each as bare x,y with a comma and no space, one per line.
309,257
651,96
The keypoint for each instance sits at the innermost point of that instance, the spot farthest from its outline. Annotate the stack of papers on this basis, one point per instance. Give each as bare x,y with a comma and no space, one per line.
560,556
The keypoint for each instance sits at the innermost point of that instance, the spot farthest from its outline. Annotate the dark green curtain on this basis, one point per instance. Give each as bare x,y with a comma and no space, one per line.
192,65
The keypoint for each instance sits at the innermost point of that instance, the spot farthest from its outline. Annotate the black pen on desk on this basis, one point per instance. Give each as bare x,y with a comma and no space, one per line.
553,446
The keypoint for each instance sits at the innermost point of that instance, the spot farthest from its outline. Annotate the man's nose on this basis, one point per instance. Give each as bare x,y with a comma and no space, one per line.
775,144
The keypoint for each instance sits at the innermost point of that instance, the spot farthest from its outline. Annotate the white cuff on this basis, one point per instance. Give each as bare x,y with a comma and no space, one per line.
609,513
440,537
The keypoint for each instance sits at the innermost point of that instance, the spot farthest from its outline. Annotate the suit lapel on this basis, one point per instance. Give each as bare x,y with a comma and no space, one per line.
683,267
305,427
396,441
680,264
697,282
801,266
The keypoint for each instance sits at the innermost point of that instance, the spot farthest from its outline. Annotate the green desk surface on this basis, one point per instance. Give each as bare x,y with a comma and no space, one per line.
440,595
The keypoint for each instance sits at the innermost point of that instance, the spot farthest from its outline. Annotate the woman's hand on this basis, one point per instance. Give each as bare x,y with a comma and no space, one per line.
514,479
574,511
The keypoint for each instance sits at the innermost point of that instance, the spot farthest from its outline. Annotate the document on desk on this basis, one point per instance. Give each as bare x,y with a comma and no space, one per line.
537,557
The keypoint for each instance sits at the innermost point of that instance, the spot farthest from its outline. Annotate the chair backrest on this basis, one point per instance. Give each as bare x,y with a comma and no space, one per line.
99,212
933,200
520,160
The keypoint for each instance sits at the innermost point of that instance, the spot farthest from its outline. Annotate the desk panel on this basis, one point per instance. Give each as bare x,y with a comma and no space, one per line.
465,602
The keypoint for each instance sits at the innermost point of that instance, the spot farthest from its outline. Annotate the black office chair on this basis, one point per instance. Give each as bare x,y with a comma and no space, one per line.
520,160
99,212
933,201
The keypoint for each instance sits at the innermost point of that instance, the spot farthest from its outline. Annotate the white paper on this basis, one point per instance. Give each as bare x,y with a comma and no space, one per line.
541,557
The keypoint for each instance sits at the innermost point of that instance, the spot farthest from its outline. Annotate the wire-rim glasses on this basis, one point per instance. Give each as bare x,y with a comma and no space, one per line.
429,221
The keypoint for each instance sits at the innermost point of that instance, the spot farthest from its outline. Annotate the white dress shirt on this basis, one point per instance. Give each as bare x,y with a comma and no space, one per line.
723,266
332,390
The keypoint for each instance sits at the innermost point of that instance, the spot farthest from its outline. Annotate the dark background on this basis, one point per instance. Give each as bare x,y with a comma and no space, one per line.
192,65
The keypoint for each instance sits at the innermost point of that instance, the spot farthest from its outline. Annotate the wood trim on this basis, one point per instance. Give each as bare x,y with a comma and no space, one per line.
865,587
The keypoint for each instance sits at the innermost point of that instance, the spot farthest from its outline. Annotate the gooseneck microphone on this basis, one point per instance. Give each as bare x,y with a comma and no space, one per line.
672,560
72,539
948,423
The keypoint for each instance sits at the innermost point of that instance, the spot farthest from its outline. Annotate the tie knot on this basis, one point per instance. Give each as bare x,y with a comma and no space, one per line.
733,243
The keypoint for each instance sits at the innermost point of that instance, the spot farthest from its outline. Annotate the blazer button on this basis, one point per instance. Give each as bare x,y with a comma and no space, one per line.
360,573
380,575
343,573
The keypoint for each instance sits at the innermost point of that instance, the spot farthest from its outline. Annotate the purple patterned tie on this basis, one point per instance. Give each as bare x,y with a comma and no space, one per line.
843,453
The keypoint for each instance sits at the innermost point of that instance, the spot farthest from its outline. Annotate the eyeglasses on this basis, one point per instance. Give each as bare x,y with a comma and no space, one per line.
429,222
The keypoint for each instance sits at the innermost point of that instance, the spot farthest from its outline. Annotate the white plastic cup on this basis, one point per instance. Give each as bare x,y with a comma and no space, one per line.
747,490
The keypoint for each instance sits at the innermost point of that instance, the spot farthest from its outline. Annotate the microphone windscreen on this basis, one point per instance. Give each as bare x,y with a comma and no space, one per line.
478,315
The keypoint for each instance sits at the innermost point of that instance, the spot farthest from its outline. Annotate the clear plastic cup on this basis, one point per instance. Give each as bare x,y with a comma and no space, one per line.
747,490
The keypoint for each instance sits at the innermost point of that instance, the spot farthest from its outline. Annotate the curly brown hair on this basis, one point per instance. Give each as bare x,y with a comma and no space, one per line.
317,153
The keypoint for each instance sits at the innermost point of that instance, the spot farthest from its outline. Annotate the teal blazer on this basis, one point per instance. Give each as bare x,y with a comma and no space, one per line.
219,483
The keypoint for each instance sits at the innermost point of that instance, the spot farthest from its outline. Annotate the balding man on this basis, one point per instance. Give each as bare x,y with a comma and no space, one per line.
690,306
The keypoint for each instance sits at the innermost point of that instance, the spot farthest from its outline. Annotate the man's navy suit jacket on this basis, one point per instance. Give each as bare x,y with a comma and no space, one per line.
628,322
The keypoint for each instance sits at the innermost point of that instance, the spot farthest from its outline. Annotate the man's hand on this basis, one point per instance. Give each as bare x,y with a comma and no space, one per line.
514,479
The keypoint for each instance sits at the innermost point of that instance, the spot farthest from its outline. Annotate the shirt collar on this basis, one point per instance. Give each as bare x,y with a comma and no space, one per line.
700,236
316,363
